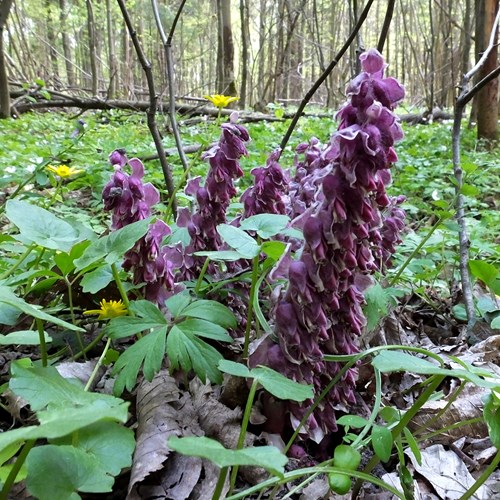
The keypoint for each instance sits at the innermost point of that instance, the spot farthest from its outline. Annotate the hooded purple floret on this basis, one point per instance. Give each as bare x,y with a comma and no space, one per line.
130,201
340,200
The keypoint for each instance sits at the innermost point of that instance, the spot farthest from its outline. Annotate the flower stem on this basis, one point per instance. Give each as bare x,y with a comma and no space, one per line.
19,261
119,285
97,366
482,478
243,430
253,290
43,346
220,483
201,276
16,467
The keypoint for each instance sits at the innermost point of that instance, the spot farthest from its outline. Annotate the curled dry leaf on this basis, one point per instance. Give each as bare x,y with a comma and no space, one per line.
162,411
447,473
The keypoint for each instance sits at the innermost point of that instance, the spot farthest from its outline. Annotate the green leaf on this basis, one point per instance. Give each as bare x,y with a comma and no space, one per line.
97,279
147,310
395,361
274,382
177,303
76,471
222,255
488,273
382,442
266,225
376,305
211,310
9,298
354,421
186,351
44,387
23,337
412,443
37,225
150,351
495,324
491,414
112,246
236,369
204,328
274,249
240,241
469,190
268,457
109,443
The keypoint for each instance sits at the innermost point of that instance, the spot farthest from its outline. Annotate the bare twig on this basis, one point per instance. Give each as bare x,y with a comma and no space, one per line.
153,101
325,74
464,96
167,43
387,23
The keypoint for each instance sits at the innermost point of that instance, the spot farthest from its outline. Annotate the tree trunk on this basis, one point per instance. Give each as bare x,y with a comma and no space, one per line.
70,74
487,98
5,6
225,51
113,67
51,38
245,39
92,46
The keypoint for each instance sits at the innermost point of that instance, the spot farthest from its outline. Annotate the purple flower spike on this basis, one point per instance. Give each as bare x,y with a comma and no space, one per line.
351,228
118,157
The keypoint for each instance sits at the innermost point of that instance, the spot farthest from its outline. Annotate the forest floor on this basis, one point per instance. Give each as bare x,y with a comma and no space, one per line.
445,446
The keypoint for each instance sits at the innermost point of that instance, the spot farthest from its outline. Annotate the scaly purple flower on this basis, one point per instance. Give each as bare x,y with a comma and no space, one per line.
340,200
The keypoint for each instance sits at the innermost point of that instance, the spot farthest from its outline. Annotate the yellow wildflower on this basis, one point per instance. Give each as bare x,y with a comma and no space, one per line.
220,101
109,309
63,171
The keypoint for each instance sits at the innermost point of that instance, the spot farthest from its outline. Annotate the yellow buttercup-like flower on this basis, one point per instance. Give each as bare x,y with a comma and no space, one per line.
63,171
109,309
220,101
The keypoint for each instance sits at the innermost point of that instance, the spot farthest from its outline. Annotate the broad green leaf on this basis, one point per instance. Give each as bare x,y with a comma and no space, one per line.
177,303
23,337
210,310
280,386
66,261
395,361
221,255
491,414
59,472
8,314
273,249
266,225
274,382
484,271
232,368
354,421
147,310
469,190
37,225
389,414
10,299
44,387
96,280
204,328
6,469
382,442
107,442
268,457
112,246
150,351
240,241
186,351
495,324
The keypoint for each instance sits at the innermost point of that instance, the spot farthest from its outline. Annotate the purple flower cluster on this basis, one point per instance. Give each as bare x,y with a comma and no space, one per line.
214,197
268,193
346,240
131,200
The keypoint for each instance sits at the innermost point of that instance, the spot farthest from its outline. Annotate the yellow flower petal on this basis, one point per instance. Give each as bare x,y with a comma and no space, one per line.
109,309
64,171
220,101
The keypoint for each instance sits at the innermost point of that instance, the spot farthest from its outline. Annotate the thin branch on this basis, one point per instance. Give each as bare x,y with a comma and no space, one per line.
387,23
167,44
463,98
153,101
325,74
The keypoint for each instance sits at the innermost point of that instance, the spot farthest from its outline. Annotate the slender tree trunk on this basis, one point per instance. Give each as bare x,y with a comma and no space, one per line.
487,98
245,40
51,39
225,51
92,46
5,6
70,74
113,66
